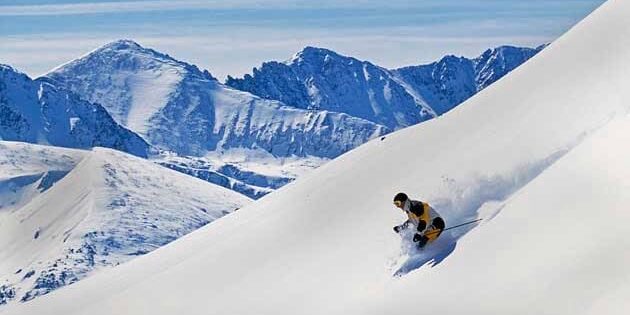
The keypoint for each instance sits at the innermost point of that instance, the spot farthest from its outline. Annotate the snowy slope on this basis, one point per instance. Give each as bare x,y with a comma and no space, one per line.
27,170
37,111
547,169
176,107
102,208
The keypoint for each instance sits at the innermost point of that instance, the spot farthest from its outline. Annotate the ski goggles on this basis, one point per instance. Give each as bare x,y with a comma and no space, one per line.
398,203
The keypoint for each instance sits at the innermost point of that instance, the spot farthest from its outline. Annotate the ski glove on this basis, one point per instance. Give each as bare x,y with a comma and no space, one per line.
401,227
419,238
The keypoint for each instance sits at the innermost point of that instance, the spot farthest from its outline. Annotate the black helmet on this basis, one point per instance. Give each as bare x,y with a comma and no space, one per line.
402,197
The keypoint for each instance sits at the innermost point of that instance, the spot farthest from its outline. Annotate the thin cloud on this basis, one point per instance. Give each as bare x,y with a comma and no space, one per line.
162,5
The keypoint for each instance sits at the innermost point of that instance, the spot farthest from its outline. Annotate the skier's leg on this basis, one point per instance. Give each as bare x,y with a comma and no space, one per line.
422,242
439,224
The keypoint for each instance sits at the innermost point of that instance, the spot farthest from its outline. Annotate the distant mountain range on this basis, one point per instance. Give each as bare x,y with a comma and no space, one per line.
321,79
176,107
318,103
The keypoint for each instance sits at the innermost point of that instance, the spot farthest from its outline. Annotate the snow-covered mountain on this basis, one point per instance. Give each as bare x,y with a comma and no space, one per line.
547,170
65,214
452,80
177,107
493,64
317,78
37,111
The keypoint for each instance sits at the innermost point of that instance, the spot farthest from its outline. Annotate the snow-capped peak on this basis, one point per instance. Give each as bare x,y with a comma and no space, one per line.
495,63
123,44
310,53
132,82
319,78
5,67
129,55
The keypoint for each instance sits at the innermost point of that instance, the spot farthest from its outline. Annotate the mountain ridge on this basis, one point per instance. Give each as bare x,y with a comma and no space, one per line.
38,111
176,107
307,81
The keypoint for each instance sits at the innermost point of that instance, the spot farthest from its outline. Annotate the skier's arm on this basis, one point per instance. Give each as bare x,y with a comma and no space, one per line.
417,208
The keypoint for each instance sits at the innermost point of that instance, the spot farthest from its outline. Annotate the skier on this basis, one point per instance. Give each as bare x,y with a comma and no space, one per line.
427,222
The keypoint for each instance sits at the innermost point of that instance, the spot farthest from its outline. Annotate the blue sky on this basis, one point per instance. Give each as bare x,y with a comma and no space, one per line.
231,37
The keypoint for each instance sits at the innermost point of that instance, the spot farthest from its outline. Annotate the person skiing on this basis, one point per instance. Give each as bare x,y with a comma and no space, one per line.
427,222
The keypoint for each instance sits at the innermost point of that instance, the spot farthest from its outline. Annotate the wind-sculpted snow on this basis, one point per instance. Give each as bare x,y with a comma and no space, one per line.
90,210
318,78
39,112
176,107
27,171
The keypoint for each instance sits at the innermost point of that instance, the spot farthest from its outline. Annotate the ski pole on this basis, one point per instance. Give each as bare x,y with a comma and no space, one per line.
452,227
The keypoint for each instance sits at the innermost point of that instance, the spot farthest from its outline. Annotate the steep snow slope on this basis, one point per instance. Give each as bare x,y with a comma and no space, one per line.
105,207
37,111
179,108
539,165
559,246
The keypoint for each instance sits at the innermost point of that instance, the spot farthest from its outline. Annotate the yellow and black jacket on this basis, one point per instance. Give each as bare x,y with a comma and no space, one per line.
426,220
